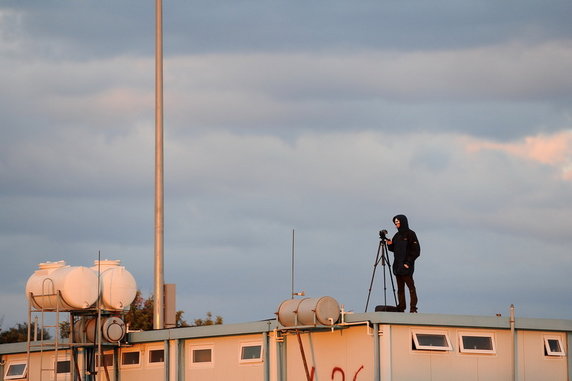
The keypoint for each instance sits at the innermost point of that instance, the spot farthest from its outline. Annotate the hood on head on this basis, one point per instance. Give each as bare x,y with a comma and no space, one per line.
404,224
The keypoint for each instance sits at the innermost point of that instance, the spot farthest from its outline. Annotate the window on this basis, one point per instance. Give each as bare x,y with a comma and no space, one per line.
250,352
553,346
202,356
107,360
63,366
16,370
130,358
477,342
156,356
431,341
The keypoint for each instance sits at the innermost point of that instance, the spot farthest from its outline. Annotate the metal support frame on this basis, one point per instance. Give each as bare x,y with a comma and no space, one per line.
47,292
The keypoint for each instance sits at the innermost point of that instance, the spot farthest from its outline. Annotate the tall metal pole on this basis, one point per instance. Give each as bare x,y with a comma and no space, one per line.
292,273
158,321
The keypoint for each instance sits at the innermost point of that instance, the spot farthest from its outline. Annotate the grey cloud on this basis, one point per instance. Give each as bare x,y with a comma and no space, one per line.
501,73
76,165
84,30
485,92
486,184
326,119
336,190
497,96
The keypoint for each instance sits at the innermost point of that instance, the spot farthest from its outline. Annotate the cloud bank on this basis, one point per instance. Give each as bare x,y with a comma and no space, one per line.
324,120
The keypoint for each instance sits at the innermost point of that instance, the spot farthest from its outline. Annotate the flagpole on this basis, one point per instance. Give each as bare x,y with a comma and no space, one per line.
158,314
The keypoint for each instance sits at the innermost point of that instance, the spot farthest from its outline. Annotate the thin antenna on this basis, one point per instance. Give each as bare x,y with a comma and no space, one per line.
292,294
292,272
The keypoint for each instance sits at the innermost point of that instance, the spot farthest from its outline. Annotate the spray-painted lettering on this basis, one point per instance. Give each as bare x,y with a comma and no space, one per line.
338,370
335,370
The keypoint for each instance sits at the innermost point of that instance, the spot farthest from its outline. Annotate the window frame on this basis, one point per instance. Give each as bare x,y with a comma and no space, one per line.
418,347
123,353
148,357
242,360
548,352
106,355
57,362
201,364
62,358
21,375
490,335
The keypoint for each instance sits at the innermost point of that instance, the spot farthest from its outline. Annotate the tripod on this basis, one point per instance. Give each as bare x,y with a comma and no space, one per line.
384,258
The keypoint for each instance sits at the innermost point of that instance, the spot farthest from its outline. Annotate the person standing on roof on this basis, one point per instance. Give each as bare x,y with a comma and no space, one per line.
406,249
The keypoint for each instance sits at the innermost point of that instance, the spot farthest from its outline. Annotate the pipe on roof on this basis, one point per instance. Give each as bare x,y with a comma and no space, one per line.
514,343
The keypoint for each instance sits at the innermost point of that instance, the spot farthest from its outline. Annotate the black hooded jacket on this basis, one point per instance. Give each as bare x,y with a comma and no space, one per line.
405,247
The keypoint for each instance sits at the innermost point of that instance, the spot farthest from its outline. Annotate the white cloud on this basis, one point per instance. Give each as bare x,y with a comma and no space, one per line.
433,174
331,142
279,92
504,72
552,149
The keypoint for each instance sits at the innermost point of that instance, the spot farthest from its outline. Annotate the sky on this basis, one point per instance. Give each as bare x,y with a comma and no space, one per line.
325,118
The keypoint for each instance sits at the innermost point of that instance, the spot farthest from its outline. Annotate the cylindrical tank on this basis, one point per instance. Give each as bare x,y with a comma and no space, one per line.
79,331
309,311
118,287
324,310
113,329
76,285
287,312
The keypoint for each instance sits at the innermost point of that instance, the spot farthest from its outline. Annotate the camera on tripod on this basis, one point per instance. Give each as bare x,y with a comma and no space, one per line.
382,257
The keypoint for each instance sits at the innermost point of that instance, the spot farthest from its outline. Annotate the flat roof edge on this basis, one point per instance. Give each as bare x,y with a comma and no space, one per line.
469,321
10,348
544,324
203,331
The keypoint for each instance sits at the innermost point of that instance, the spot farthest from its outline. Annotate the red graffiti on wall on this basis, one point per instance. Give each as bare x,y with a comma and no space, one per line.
340,370
359,370
335,370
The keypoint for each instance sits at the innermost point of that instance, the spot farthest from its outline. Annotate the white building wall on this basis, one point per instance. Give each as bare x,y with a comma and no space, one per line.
534,364
226,364
144,370
345,354
408,364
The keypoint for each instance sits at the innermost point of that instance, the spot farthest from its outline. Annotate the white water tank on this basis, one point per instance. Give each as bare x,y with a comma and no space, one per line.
324,310
76,285
118,287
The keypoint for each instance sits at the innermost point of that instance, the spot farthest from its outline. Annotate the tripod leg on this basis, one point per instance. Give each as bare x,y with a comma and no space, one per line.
373,274
385,258
384,279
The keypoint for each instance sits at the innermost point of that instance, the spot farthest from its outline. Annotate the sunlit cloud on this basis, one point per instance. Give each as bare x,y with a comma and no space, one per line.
554,150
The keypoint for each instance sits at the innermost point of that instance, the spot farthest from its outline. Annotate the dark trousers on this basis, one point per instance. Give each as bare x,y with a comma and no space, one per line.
403,280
